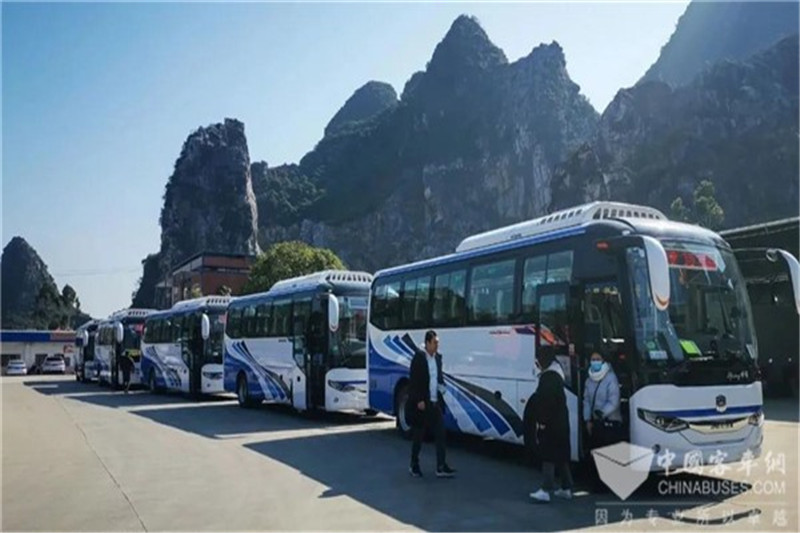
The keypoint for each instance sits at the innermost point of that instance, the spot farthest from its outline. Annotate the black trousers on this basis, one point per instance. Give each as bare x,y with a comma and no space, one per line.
431,418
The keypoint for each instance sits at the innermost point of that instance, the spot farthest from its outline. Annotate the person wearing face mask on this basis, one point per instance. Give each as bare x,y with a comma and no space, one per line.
601,404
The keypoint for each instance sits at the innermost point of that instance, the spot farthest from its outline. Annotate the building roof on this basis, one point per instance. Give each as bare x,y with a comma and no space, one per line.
32,335
211,254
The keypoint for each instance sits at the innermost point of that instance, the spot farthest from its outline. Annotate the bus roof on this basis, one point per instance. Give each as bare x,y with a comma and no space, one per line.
647,225
324,280
122,314
566,218
203,302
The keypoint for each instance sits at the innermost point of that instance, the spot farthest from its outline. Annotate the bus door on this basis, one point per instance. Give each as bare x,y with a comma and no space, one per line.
557,332
604,332
193,350
114,356
301,329
316,359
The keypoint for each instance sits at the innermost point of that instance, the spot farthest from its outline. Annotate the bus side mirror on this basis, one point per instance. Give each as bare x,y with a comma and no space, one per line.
773,255
119,332
658,267
205,326
333,313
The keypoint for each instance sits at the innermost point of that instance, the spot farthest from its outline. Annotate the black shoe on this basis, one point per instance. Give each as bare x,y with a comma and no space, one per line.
415,471
445,471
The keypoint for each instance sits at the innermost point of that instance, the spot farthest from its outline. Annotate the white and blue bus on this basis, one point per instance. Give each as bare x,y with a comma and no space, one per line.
182,348
120,333
302,343
663,301
85,336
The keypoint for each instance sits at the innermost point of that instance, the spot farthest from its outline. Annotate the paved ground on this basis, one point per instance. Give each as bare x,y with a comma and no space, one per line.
79,457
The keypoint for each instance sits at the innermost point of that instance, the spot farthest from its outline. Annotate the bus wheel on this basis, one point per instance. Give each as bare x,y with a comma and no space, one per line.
151,381
242,392
401,422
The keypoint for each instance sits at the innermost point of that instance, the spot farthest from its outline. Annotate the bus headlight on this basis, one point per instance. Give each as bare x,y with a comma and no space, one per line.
756,419
670,424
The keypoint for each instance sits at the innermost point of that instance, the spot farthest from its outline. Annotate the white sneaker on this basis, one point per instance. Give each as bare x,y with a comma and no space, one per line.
541,496
563,493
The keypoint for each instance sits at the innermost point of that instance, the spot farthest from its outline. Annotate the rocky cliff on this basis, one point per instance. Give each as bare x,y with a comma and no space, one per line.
735,125
713,31
475,142
367,102
30,298
471,145
209,204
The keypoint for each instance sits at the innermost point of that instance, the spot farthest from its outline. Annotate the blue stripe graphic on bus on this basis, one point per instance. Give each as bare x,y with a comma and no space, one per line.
168,376
696,413
277,388
483,409
265,380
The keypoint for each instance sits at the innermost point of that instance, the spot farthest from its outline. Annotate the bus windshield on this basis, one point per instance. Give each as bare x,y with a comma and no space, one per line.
216,336
132,339
350,340
709,314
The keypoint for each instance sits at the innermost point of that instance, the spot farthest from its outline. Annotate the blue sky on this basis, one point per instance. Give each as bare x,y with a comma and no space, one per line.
97,99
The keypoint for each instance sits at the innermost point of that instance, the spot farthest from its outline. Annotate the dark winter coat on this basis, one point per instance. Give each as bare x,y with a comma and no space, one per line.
551,415
419,383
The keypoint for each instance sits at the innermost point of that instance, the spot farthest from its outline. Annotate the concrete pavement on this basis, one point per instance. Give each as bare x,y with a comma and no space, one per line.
81,457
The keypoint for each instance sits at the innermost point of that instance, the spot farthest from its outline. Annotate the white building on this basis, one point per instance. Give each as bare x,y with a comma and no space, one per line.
33,346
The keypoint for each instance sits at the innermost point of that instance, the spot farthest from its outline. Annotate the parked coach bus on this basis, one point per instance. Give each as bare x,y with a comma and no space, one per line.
302,343
663,301
182,348
120,333
85,335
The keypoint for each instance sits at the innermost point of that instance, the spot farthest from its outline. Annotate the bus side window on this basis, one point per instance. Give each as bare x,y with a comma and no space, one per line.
534,274
491,293
234,323
263,316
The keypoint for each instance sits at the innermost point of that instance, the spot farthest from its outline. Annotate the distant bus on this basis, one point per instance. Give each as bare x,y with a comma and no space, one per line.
182,348
302,343
119,334
85,336
663,301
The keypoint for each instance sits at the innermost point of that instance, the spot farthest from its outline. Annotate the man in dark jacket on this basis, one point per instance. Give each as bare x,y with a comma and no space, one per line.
425,406
126,364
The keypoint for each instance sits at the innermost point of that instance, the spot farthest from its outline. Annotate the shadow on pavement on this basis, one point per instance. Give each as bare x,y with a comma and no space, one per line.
221,420
487,495
782,409
104,396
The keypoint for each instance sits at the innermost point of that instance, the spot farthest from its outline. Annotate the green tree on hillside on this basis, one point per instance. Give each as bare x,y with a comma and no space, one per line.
286,260
705,210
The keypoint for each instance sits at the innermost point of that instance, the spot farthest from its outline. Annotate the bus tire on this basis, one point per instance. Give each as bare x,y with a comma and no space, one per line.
243,392
151,381
400,422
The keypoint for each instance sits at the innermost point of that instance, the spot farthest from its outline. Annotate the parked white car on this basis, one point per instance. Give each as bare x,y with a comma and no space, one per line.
54,364
16,367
